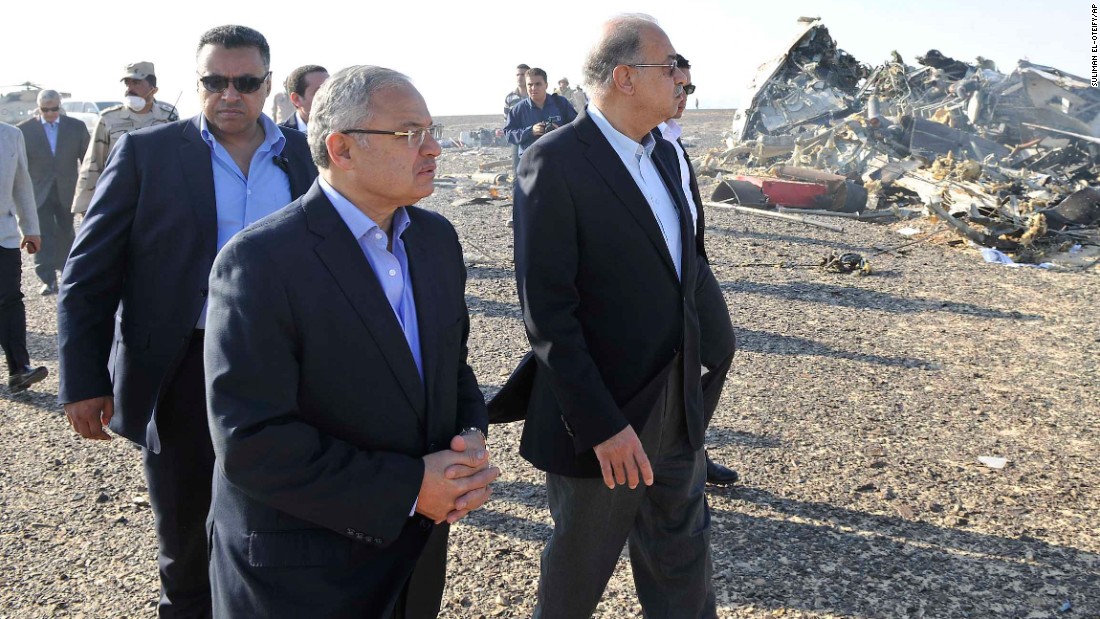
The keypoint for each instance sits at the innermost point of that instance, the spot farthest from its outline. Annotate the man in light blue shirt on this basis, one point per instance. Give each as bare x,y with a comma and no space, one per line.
171,196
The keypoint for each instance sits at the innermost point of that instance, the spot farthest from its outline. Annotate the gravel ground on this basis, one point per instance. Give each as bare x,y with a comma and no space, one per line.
856,412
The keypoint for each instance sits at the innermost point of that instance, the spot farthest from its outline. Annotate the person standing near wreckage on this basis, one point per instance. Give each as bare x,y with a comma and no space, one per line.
606,263
717,342
538,114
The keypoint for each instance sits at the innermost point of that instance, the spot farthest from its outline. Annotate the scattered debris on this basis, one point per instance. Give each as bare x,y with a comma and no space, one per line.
1010,161
993,462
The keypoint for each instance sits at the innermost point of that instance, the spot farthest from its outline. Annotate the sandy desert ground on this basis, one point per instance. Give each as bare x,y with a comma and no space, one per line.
856,412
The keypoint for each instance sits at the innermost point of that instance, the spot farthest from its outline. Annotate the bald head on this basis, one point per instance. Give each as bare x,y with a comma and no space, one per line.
633,74
620,42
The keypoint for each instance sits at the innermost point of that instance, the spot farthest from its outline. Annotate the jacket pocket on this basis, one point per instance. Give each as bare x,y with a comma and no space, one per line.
301,548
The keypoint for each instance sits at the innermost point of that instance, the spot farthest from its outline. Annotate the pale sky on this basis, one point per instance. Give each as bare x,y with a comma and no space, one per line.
462,55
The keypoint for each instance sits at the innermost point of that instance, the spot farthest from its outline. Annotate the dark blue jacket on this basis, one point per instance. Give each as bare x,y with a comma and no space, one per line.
136,279
525,115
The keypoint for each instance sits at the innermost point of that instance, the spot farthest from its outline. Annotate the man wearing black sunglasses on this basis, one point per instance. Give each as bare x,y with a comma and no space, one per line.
55,148
170,197
717,342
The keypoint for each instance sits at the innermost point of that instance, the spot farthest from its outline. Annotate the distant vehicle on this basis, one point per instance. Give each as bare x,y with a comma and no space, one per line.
19,105
86,111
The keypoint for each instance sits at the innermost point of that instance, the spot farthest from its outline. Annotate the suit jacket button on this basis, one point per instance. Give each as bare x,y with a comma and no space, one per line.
202,292
426,524
433,447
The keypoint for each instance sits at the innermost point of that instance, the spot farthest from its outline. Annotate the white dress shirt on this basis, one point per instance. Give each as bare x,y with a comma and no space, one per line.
672,131
638,159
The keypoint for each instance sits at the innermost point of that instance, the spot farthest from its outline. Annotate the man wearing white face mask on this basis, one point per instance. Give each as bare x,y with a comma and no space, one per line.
139,110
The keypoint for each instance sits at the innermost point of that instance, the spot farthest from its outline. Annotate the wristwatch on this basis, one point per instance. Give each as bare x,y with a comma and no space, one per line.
475,430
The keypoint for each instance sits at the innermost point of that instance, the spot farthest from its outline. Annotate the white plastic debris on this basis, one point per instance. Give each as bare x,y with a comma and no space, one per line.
908,231
993,462
996,256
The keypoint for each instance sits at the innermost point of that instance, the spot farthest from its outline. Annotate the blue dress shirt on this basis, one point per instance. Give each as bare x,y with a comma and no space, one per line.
391,268
242,200
51,134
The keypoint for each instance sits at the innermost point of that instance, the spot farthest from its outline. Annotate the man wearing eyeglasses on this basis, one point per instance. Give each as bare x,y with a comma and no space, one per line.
606,267
349,427
717,341
538,114
132,308
55,147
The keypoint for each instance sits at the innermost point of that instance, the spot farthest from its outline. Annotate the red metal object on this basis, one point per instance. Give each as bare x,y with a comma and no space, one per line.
789,193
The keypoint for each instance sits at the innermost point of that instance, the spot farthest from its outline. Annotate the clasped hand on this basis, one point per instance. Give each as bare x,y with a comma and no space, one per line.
456,480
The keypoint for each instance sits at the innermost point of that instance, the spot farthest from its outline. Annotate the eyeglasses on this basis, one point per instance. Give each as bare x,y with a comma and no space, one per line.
416,136
244,84
689,89
671,66
50,109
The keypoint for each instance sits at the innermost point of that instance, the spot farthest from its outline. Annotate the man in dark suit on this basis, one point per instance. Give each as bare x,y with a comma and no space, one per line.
717,341
606,265
55,147
302,84
348,426
132,308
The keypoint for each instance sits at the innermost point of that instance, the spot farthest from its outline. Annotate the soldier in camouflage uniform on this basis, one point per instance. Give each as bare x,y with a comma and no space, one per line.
139,110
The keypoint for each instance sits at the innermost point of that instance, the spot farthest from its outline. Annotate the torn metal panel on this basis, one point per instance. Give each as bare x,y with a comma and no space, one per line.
810,81
1081,208
930,139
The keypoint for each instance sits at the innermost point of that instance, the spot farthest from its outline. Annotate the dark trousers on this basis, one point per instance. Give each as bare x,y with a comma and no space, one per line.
179,479
13,315
55,220
667,526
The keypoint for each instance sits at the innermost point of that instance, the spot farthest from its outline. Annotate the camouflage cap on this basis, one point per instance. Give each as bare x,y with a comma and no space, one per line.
138,71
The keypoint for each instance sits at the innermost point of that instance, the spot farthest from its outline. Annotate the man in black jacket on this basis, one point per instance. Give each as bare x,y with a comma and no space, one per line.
607,268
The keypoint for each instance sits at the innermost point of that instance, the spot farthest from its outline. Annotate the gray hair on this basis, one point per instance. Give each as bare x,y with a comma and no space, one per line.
343,102
620,44
48,95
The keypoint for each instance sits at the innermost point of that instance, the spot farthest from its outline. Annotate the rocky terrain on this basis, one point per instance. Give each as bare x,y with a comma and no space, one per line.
857,410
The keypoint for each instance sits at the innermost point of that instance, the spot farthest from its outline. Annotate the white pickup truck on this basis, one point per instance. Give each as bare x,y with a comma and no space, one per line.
87,111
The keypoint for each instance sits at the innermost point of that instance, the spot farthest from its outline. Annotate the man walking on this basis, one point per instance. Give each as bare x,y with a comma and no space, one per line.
140,109
335,463
132,308
55,148
606,266
18,230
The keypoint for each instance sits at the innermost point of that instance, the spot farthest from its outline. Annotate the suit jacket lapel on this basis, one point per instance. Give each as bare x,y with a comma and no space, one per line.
428,294
700,218
195,160
296,172
39,136
671,177
608,164
343,257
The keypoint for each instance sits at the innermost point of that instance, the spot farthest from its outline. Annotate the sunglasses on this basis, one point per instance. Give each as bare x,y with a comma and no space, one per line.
244,84
50,109
689,89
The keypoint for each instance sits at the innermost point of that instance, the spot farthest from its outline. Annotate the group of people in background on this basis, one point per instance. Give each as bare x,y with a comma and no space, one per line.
266,312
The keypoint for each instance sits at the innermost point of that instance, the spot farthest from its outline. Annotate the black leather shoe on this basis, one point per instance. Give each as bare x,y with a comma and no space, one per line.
21,381
718,475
